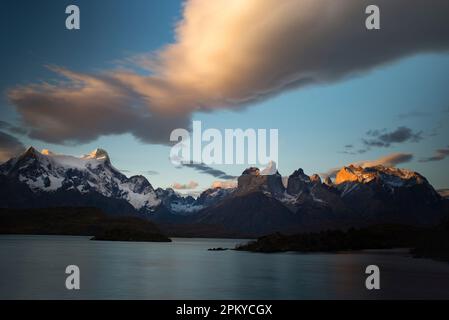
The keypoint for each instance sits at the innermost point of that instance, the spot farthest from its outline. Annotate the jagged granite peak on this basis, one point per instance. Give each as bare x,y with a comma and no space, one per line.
315,178
251,171
270,169
251,180
387,192
99,154
213,195
328,181
297,182
383,195
140,184
300,174
30,151
30,158
392,176
177,203
48,173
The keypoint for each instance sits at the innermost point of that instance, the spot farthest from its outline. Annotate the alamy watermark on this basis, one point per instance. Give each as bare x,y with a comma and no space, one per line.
232,146
372,282
72,282
72,21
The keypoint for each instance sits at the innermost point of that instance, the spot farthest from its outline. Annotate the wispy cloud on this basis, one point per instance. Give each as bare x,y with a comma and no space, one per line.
384,138
150,172
12,128
440,154
226,54
10,146
203,168
228,184
413,114
390,160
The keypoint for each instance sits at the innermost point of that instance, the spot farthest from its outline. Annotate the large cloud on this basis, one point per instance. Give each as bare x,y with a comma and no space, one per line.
9,147
86,106
229,53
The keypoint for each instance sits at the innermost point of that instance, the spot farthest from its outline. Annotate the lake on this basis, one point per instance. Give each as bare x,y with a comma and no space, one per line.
33,267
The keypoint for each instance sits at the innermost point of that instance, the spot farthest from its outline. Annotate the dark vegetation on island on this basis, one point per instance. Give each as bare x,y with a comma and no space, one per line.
430,242
218,249
78,221
435,244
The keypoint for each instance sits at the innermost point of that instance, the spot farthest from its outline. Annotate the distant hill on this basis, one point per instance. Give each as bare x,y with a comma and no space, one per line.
78,222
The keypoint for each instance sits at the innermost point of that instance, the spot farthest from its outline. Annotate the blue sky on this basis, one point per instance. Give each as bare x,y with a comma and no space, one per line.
315,122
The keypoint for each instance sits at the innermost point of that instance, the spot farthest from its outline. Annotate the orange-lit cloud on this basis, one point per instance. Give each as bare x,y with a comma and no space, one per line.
228,184
187,186
229,53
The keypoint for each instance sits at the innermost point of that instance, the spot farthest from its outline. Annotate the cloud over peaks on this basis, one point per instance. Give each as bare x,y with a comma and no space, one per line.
391,160
203,168
228,53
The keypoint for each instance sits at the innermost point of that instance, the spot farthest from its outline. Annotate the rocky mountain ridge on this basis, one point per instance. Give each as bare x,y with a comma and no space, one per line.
259,204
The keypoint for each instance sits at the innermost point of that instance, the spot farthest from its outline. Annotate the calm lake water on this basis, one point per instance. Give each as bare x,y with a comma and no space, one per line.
33,267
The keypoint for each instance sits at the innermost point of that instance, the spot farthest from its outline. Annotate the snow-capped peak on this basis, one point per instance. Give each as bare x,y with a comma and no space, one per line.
47,171
99,154
270,169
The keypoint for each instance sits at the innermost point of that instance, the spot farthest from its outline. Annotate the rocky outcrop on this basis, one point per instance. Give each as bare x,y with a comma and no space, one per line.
297,182
315,179
252,181
328,181
393,177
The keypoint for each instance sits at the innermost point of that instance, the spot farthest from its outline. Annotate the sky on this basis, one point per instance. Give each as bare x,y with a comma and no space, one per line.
337,93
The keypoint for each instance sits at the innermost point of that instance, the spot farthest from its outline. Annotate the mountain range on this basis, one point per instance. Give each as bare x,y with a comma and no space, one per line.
260,204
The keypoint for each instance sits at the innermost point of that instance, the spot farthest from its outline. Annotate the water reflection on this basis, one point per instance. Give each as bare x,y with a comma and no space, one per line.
32,267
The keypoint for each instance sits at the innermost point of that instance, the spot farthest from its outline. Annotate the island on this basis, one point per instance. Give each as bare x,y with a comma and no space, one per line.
425,242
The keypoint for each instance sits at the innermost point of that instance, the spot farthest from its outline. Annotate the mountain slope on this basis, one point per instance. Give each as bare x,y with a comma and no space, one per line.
47,179
389,194
249,214
359,197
